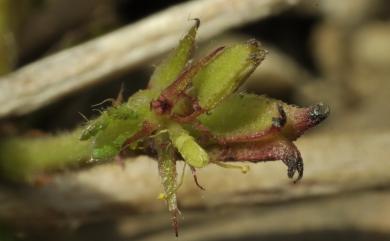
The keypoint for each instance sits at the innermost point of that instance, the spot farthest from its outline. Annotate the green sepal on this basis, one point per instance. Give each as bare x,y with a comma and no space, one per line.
167,71
226,73
242,115
122,122
188,148
168,174
93,127
121,112
108,142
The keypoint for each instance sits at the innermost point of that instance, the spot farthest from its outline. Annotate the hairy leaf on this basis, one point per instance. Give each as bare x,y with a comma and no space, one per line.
121,123
170,68
167,170
243,117
226,73
186,145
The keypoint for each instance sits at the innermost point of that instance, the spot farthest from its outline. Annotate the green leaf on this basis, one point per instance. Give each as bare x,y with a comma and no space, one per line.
226,73
167,171
188,148
173,94
108,142
93,127
170,68
241,117
140,103
121,123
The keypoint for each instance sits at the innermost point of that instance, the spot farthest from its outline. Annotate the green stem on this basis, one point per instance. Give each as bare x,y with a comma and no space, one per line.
22,158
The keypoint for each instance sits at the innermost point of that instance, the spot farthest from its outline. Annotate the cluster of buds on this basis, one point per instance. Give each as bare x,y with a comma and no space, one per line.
191,111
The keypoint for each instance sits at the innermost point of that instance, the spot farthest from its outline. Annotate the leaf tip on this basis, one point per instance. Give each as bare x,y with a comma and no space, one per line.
258,52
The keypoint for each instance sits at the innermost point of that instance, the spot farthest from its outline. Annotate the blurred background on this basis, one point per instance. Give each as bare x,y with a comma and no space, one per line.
60,57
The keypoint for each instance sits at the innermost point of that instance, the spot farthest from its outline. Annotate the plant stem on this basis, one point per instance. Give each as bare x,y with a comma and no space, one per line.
22,158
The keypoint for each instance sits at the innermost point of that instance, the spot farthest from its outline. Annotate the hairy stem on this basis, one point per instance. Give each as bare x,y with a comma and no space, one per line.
22,158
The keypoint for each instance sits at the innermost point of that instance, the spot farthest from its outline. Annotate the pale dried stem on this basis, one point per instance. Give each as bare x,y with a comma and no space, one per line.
52,78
